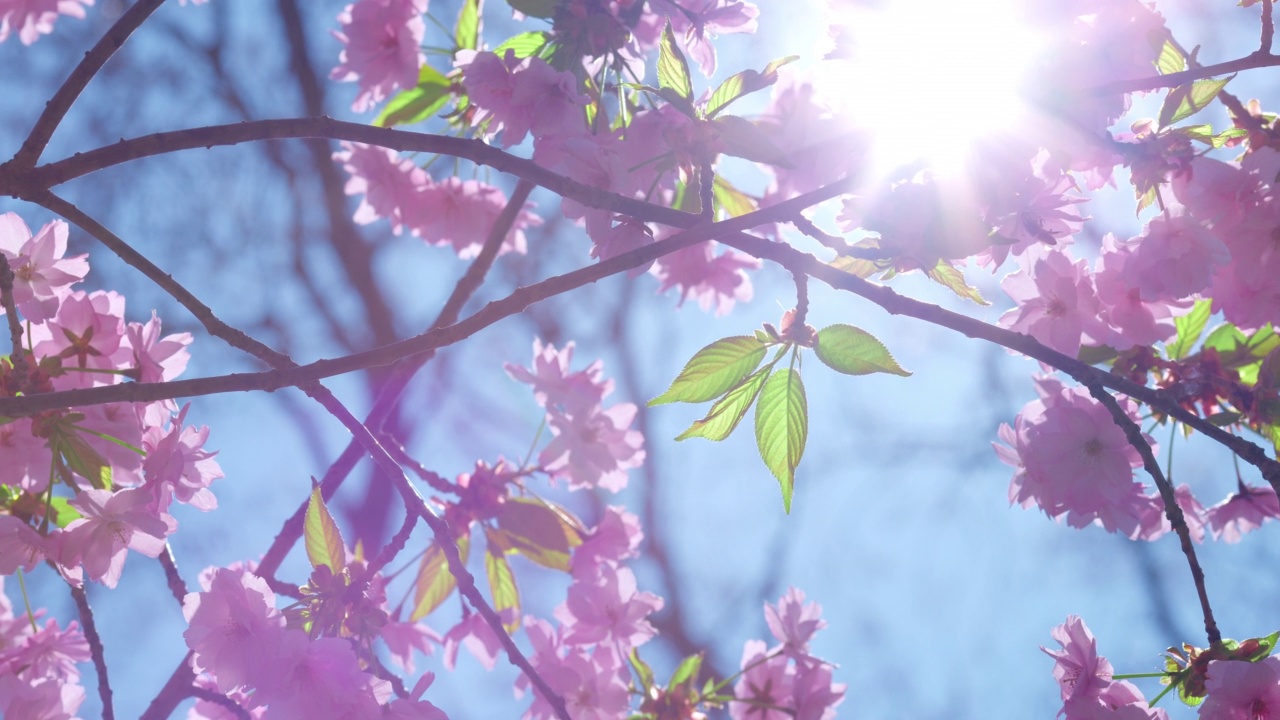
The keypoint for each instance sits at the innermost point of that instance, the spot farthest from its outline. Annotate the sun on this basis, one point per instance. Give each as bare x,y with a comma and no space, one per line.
928,77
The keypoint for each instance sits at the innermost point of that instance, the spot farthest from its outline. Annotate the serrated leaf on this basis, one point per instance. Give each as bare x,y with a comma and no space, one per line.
1171,59
539,531
673,69
743,138
731,199
1190,327
321,535
502,586
417,103
952,279
466,34
729,410
535,8
524,45
1186,100
854,351
743,83
782,427
714,370
435,583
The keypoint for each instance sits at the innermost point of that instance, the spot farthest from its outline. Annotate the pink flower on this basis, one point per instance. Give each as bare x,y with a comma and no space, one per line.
815,696
1056,301
389,184
1241,690
20,546
793,622
629,234
615,538
1175,257
50,652
1136,321
112,524
461,213
177,461
44,699
701,20
593,686
1072,459
381,39
1244,511
519,96
764,690
157,359
1120,700
33,18
403,638
593,448
714,280
234,627
608,609
554,386
42,276
305,678
1079,670
473,633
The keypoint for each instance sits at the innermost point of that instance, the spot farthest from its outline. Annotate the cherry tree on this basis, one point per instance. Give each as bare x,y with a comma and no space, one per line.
619,126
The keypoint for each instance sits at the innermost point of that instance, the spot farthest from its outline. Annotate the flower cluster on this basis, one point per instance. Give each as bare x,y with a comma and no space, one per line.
1088,690
124,464
38,674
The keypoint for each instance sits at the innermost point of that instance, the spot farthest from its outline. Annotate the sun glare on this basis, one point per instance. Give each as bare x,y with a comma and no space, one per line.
929,77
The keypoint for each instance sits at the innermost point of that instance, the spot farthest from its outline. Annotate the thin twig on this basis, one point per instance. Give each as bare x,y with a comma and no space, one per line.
1155,82
19,355
1172,510
56,109
95,649
171,575
394,546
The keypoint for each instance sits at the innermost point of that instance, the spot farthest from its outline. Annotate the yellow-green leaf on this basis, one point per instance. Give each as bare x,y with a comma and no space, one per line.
854,351
714,370
725,415
782,427
435,583
321,536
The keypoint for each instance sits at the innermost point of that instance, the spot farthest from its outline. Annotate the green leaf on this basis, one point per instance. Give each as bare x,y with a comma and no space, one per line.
743,138
542,532
643,671
743,83
1190,327
63,513
673,69
435,583
502,586
714,370
729,410
78,455
1186,100
952,279
731,199
782,426
1171,59
1235,133
1223,419
686,671
854,351
321,535
1097,354
857,266
417,103
535,8
524,45
1242,353
467,32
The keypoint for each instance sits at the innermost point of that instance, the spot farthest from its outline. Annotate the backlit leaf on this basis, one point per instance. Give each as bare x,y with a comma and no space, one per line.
543,533
1190,327
782,427
673,69
1186,100
435,582
952,279
725,415
713,370
467,32
417,103
321,535
853,351
743,83
502,587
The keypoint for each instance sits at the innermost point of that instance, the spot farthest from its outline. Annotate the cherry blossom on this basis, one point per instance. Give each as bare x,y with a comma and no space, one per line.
380,47
764,690
594,448
112,524
1079,670
1244,511
234,627
716,281
608,609
33,18
1242,690
793,622
42,275
1057,303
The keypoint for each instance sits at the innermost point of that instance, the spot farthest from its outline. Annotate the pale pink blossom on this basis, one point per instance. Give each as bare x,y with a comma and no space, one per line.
555,387
1135,321
388,184
1120,700
234,627
764,690
1241,690
1244,511
177,461
461,213
1079,670
45,699
518,96
815,697
42,275
593,686
112,523
20,546
713,280
1057,304
321,678
33,18
793,622
698,22
1072,460
49,652
381,41
1174,258
403,638
608,609
157,359
593,448
475,634
615,538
